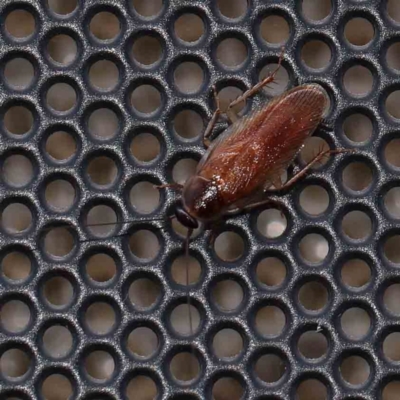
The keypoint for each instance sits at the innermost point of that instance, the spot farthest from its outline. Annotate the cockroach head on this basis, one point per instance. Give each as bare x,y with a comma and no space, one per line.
184,217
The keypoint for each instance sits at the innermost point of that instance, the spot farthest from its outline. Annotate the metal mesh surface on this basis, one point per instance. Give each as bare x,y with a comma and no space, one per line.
99,101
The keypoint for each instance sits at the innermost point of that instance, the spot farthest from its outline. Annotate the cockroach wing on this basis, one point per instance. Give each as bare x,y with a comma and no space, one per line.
255,150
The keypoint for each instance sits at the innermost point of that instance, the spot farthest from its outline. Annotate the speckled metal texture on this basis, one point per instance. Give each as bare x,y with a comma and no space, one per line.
294,367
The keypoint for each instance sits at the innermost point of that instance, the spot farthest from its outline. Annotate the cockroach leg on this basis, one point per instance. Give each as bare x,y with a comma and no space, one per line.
252,91
213,120
176,186
304,170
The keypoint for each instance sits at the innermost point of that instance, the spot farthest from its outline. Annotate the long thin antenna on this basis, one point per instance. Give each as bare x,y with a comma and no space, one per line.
189,234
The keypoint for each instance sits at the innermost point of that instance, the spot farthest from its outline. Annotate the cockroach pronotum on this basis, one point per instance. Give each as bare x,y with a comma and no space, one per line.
244,164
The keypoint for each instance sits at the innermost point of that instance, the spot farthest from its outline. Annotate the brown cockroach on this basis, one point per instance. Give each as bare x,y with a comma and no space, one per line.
244,164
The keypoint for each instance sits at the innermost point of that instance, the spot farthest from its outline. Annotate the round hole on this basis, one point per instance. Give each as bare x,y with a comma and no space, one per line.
63,7
281,81
104,75
185,367
357,176
143,293
144,197
358,81
275,29
188,124
144,244
393,56
183,170
58,291
102,171
270,368
391,104
56,387
103,123
316,10
232,9
146,99
60,195
188,77
312,345
57,341
359,31
15,316
355,323
392,154
393,10
312,389
59,242
145,147
355,370
392,249
358,128
227,388
62,49
271,271
100,365
20,24
227,94
270,321
101,268
314,248
185,269
147,8
232,52
14,363
391,390
17,170
314,200
312,146
391,299
101,221
391,346
229,246
227,295
357,225
313,296
316,54
392,202
18,120
61,97
19,73
355,273
141,388
271,223
61,146
105,26
227,343
16,218
182,322
189,28
143,342
147,50
100,318
16,266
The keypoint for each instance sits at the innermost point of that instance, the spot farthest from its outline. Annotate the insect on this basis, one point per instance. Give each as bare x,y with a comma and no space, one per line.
244,164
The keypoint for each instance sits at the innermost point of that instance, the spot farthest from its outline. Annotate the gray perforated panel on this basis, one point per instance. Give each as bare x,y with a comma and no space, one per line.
297,303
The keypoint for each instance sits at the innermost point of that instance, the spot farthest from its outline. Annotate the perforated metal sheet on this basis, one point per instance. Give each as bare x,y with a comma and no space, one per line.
307,301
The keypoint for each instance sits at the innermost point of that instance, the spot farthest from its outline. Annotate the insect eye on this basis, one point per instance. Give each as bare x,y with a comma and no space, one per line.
185,218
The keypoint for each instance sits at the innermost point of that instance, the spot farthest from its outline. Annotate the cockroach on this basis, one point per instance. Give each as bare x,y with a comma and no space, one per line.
243,165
